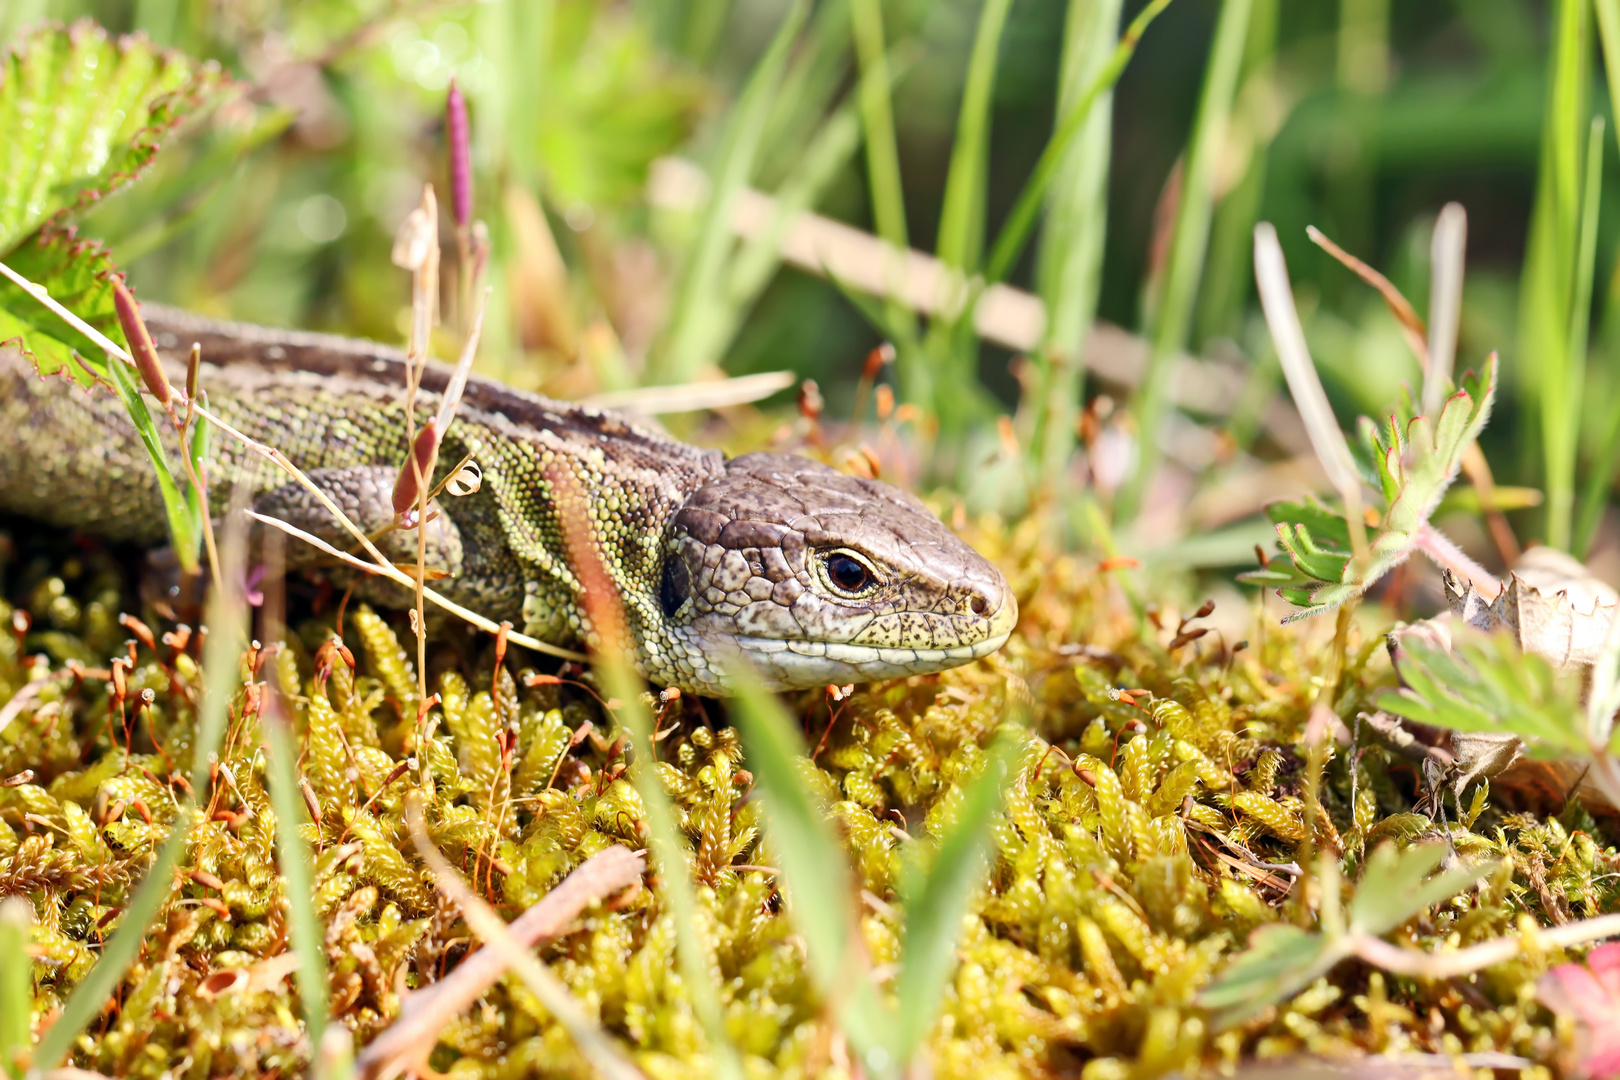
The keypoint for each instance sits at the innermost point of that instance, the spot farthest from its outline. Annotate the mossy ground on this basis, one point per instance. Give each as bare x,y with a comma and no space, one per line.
1142,840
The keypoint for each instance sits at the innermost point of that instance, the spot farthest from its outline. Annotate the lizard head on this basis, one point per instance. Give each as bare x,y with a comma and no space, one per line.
815,577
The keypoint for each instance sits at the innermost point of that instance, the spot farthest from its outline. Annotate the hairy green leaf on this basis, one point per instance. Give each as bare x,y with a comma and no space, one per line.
1396,886
1488,684
1280,961
78,274
81,113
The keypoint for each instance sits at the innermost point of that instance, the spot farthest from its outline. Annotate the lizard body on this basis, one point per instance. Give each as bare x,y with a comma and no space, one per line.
806,574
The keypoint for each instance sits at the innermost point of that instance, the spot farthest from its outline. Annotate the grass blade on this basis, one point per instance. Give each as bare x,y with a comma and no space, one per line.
874,98
175,507
1580,318
1446,265
294,859
934,914
1227,277
16,983
94,991
815,873
961,225
1016,230
1601,478
691,338
669,859
877,119
1327,438
950,348
1548,279
1172,323
609,654
1068,275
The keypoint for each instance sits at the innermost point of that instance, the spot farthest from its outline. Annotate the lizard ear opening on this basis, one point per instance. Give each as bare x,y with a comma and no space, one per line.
675,585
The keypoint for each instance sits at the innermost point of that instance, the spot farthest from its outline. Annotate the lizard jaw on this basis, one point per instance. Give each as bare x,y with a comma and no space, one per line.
788,665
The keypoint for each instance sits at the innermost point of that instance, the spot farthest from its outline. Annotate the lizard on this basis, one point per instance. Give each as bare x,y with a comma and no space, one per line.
806,575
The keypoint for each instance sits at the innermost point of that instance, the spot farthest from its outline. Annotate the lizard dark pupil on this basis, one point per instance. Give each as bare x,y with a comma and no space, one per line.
848,574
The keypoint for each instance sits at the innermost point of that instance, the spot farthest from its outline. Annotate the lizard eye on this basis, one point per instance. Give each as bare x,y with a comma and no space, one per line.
847,573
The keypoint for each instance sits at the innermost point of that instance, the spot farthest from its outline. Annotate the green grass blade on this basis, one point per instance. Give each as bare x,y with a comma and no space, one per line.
877,119
294,859
196,499
1021,221
1228,275
1601,479
96,988
961,225
1188,242
1068,276
874,96
934,914
16,983
1548,279
669,858
814,872
692,329
175,507
1580,314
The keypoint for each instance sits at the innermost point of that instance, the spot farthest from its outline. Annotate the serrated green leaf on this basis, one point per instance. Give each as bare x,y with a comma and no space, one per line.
1281,960
1488,684
1311,557
81,113
1434,453
1325,523
1396,886
78,274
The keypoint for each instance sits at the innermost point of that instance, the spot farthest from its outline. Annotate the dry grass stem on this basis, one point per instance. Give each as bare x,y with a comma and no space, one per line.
1447,251
1277,298
420,1025
1412,327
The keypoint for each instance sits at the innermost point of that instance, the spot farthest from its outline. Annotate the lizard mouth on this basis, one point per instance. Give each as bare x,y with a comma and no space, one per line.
788,663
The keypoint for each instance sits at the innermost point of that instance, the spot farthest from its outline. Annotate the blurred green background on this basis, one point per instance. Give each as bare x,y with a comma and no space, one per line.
1361,117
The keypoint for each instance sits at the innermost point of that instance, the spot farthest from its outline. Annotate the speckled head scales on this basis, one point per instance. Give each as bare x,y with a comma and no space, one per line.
750,559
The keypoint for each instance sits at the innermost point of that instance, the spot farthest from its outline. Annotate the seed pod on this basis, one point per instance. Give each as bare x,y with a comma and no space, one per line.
458,134
422,451
877,359
140,344
191,370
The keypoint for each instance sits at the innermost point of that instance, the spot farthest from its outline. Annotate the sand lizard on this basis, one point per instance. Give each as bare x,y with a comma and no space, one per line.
810,575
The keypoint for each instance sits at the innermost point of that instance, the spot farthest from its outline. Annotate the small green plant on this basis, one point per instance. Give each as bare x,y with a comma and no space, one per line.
1283,959
1328,556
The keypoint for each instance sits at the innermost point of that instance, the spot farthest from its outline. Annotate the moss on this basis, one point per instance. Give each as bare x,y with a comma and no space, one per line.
1144,836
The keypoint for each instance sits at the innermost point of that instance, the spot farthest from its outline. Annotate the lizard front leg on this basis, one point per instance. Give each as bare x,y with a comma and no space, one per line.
365,495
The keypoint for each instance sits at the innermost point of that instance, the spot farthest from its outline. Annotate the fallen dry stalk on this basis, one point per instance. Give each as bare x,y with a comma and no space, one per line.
1447,965
408,1041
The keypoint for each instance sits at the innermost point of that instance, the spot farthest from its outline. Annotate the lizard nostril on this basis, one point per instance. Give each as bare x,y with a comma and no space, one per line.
979,604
